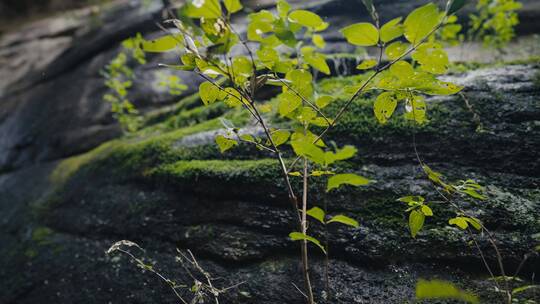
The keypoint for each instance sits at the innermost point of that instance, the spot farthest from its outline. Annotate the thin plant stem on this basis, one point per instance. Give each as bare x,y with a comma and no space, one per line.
305,263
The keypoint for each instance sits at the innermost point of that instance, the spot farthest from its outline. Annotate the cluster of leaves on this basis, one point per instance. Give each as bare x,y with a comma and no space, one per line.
119,78
419,210
290,44
173,83
494,21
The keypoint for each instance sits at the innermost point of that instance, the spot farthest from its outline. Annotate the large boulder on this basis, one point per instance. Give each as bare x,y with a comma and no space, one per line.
168,187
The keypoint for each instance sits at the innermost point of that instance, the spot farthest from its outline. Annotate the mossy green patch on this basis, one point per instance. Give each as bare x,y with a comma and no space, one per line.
226,171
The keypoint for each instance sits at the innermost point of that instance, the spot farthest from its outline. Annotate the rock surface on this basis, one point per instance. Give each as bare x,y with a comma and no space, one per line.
64,202
172,190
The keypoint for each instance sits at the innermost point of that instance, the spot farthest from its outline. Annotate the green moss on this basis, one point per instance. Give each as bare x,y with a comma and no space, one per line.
224,170
130,152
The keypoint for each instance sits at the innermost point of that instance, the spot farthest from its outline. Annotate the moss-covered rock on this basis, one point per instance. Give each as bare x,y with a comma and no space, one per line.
168,186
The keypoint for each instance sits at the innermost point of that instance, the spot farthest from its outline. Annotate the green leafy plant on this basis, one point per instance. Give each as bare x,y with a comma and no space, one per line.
494,21
119,78
289,51
235,80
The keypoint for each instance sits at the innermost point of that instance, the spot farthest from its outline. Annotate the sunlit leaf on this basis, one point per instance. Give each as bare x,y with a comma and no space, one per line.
232,6
288,102
420,22
524,288
361,34
384,106
411,199
316,213
348,178
426,210
437,289
367,64
321,173
344,220
341,154
415,109
283,8
225,143
306,18
280,137
162,44
208,92
323,101
432,58
416,222
396,50
203,8
391,30
316,60
298,236
459,221
318,41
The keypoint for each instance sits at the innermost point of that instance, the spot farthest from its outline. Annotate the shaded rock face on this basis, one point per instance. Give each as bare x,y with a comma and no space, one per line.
234,216
174,193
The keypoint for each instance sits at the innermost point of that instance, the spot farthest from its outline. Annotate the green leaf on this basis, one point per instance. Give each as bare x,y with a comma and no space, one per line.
361,34
411,199
318,41
316,60
384,106
303,146
162,44
391,30
233,6
208,92
260,23
367,64
459,221
344,220
280,137
416,222
306,18
283,8
298,236
301,82
225,143
268,56
348,178
203,9
402,69
288,102
341,154
323,101
321,173
426,210
437,87
316,213
232,97
455,5
437,289
432,58
415,109
396,50
474,222
524,288
242,69
420,22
